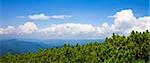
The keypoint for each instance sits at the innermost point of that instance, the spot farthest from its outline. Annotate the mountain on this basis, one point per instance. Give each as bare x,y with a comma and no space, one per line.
17,46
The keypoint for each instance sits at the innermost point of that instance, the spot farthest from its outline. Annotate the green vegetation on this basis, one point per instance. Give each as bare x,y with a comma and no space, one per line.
116,49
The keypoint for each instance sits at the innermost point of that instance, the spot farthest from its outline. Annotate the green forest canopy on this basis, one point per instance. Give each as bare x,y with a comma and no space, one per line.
120,49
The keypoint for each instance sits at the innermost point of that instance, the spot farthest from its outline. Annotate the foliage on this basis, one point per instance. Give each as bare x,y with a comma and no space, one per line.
116,49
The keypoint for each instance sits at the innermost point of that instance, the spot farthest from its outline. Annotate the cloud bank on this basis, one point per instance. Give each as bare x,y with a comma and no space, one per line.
124,22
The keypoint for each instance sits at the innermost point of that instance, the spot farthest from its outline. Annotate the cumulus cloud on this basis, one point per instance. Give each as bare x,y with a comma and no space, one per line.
8,30
26,28
142,24
124,22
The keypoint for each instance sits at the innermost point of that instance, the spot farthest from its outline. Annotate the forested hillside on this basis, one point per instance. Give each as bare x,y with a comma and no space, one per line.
134,48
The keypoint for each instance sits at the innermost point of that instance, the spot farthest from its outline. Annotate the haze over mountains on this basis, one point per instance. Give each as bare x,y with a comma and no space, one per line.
17,46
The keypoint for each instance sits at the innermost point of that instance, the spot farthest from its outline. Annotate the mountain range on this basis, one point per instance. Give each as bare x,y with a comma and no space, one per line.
19,46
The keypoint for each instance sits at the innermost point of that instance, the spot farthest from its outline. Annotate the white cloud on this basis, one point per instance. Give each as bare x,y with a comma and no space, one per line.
43,16
60,16
124,22
8,30
26,28
38,17
71,29
1,31
46,17
54,30
142,24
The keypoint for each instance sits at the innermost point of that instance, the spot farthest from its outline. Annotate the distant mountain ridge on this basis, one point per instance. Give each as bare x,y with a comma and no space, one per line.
17,46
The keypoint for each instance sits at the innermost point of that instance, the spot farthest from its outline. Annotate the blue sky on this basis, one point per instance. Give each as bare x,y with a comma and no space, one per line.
94,12
83,11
